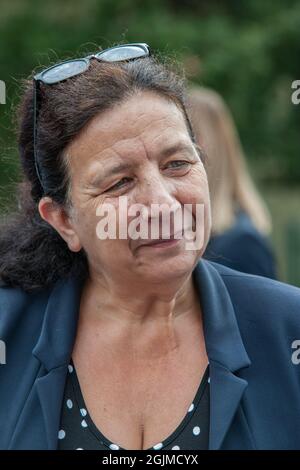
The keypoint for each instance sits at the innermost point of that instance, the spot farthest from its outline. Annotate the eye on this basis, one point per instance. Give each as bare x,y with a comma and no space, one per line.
177,164
119,184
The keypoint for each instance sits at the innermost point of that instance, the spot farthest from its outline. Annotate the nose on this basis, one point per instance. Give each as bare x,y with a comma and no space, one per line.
155,189
162,209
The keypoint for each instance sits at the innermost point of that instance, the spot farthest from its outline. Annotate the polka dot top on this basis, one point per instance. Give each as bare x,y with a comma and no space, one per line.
77,430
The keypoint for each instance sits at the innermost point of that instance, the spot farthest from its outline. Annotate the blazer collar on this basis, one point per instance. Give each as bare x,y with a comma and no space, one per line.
53,349
222,335
225,349
55,343
224,345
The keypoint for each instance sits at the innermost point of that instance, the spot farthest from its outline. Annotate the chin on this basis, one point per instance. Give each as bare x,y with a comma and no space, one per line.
162,270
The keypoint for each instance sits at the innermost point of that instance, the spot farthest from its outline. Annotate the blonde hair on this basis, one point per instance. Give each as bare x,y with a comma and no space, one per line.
231,186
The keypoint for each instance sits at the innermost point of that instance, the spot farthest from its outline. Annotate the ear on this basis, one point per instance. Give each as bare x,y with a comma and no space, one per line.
57,217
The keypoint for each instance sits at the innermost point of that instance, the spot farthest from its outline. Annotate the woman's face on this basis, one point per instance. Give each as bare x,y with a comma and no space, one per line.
138,152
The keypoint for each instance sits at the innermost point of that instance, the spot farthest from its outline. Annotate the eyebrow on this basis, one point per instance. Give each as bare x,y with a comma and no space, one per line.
179,147
118,168
99,177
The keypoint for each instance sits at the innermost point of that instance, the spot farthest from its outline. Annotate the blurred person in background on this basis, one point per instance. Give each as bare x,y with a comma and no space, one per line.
241,222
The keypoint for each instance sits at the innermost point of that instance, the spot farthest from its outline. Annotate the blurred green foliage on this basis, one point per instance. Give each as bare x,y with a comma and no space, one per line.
248,50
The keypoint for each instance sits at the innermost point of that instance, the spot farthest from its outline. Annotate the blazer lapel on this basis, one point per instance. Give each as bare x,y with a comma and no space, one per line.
50,390
225,350
54,349
226,392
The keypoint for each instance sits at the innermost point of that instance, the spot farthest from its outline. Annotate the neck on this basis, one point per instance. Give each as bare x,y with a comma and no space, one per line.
146,318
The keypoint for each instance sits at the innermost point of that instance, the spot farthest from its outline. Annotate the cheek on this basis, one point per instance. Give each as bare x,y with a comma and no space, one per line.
86,227
116,245
194,190
101,251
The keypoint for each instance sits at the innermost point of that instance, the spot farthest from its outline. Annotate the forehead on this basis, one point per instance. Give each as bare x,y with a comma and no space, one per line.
144,122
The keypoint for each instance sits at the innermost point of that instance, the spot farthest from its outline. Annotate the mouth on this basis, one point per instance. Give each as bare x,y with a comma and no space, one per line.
172,241
162,243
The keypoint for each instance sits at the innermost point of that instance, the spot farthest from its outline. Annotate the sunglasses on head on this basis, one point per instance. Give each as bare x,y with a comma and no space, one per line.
70,68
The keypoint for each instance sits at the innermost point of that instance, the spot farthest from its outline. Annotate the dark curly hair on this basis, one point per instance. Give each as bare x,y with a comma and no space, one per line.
32,253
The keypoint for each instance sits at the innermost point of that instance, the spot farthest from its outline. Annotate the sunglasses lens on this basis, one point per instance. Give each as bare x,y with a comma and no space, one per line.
63,71
122,53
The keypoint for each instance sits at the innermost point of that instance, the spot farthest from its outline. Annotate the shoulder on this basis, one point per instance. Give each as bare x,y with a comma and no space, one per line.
267,291
18,307
262,300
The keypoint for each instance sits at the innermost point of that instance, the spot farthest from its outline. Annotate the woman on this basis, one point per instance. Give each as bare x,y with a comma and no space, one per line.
241,223
131,343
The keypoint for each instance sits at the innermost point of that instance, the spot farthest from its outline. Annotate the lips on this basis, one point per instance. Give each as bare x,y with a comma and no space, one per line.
160,240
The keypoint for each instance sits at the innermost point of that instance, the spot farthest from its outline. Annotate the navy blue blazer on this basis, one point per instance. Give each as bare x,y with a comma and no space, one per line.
250,323
244,248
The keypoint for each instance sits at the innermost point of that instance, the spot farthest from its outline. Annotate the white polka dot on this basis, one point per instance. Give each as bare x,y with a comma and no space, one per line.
158,446
70,368
175,448
79,448
61,434
208,380
196,430
114,447
191,407
83,411
84,423
69,403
